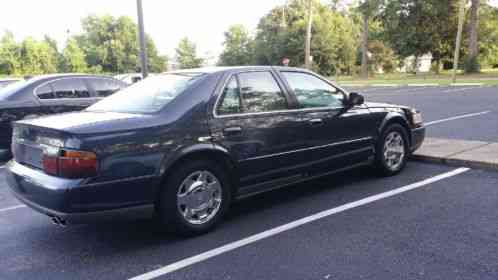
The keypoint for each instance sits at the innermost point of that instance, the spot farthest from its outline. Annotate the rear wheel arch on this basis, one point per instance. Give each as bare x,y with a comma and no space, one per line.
215,154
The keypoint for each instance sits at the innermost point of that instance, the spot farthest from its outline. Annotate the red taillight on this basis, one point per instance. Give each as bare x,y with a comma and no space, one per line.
70,164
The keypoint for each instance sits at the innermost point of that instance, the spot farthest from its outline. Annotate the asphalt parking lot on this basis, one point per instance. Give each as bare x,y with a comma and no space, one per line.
456,112
430,222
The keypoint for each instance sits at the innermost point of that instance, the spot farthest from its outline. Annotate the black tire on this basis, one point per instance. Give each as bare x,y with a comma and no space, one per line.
169,211
382,165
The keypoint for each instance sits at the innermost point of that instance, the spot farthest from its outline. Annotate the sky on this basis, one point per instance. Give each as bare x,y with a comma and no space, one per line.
167,21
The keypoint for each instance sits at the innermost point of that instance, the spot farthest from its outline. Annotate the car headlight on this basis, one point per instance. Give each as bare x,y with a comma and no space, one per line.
416,117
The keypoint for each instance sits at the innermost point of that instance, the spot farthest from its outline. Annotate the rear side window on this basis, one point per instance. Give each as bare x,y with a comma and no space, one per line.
261,93
45,92
104,87
230,102
312,92
70,88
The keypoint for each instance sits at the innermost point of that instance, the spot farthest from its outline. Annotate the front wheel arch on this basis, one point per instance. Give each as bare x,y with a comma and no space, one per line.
395,119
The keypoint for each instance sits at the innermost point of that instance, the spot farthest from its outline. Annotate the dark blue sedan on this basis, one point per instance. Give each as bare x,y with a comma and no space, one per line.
184,145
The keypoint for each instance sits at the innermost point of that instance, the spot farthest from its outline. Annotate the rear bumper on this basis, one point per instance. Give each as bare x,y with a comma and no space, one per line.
52,196
418,136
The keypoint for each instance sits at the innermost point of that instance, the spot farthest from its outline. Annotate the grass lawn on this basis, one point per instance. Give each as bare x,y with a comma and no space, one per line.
487,77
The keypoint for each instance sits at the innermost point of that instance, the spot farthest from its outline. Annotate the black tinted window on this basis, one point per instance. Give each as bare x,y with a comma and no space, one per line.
230,102
70,88
261,93
45,92
105,87
312,92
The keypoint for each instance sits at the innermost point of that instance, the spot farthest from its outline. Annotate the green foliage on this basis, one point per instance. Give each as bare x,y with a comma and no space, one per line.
112,43
238,47
74,58
415,27
382,58
10,55
488,35
37,57
186,55
333,45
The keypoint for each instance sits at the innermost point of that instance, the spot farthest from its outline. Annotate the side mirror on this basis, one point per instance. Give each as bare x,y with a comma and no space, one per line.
355,99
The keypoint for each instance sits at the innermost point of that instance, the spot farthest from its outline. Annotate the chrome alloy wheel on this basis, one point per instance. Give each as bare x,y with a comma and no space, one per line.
394,150
199,197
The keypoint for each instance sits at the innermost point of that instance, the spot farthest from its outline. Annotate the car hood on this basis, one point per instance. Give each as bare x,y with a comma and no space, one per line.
93,122
385,105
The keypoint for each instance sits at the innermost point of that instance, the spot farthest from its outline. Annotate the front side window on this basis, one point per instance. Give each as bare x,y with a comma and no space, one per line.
261,93
104,87
312,92
70,88
149,95
230,102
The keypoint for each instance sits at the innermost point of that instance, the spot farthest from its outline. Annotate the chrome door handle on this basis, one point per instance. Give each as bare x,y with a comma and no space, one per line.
316,121
232,130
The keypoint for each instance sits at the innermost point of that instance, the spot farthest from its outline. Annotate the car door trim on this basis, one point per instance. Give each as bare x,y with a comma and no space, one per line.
309,149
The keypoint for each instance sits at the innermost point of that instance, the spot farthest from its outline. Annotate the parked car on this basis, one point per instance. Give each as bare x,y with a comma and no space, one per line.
183,145
6,82
50,94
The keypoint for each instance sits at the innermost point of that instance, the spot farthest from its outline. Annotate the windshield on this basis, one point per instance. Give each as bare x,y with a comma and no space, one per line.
9,90
148,96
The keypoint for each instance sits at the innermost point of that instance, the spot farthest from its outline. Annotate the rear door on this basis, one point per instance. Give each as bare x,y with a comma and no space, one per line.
65,95
337,136
253,121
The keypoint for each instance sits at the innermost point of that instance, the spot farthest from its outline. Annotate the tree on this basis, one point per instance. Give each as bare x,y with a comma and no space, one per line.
238,47
472,63
488,36
333,45
112,44
10,55
186,55
74,58
36,57
413,27
368,8
56,56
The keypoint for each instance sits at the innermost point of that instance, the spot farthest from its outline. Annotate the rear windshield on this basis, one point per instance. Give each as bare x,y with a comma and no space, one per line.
7,92
147,96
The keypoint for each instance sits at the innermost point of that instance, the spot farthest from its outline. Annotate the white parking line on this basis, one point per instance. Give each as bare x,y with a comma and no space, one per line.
2,166
12,208
277,230
457,118
460,89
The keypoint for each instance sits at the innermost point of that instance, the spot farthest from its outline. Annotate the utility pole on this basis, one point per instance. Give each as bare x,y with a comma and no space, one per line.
307,50
461,15
141,38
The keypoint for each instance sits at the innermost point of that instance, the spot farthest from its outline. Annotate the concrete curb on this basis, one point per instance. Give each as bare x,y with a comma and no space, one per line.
473,154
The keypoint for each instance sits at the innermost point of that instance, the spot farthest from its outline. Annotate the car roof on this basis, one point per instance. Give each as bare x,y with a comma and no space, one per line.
218,69
64,75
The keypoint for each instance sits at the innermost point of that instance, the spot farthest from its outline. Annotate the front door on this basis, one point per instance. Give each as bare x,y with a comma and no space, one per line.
337,137
253,122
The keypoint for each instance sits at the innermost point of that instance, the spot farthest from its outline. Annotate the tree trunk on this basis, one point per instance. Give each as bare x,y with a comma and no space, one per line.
473,42
364,49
